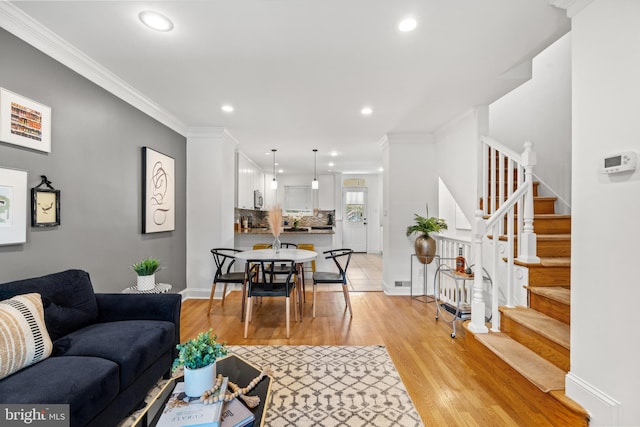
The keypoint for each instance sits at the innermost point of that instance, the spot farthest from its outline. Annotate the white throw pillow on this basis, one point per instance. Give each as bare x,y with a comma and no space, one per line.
24,339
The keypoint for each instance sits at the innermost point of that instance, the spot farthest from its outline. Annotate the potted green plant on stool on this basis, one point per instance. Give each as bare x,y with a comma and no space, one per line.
198,357
146,270
425,245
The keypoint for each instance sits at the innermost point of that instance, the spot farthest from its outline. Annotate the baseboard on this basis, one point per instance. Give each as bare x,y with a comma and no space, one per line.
603,409
203,293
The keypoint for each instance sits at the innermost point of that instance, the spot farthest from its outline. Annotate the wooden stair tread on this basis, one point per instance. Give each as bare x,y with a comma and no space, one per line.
562,295
539,371
548,327
539,237
547,262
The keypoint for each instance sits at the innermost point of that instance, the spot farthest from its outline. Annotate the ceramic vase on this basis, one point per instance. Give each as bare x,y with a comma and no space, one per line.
276,245
197,381
146,283
425,248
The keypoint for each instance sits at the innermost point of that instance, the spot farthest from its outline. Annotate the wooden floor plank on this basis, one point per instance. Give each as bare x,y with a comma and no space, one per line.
446,381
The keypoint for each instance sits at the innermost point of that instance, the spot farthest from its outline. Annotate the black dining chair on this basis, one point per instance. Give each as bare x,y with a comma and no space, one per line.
225,259
341,257
273,284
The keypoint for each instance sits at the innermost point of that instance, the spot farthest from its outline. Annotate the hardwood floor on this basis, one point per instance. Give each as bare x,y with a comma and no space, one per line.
449,384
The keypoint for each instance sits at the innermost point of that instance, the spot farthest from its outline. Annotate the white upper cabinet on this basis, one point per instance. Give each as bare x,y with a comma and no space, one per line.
249,178
326,192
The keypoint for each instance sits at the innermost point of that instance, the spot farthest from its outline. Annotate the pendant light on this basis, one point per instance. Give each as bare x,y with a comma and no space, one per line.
314,183
274,182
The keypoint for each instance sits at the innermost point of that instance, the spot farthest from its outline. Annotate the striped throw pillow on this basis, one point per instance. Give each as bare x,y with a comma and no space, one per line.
24,339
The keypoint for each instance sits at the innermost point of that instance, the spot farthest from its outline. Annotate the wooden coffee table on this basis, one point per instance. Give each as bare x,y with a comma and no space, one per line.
236,368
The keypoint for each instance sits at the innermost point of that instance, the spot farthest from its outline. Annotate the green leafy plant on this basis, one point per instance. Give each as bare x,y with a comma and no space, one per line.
426,225
200,351
146,267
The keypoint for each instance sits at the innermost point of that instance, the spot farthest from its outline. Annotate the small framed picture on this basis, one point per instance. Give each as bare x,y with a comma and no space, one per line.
45,207
24,122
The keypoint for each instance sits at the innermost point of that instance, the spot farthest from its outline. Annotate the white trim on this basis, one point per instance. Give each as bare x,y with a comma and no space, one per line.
603,409
23,26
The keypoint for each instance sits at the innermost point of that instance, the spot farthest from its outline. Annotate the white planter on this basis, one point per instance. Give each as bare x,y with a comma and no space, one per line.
197,381
146,283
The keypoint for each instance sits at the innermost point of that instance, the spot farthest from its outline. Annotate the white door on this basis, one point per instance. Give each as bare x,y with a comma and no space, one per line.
354,224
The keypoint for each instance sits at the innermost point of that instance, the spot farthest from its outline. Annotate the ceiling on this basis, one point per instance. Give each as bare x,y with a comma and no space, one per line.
298,72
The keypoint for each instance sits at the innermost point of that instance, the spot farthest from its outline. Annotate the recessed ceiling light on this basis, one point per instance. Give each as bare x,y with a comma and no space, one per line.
280,170
366,111
333,153
331,164
380,169
408,24
227,108
155,20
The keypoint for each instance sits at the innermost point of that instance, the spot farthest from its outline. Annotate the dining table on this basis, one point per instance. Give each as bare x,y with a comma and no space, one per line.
299,256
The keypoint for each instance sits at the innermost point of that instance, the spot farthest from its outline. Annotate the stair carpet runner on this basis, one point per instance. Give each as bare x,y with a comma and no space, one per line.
534,341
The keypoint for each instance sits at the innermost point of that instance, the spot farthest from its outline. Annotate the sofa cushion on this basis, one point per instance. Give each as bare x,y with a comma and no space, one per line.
69,301
133,344
24,339
87,384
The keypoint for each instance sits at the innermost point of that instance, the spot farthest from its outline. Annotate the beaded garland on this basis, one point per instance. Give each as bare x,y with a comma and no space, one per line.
208,396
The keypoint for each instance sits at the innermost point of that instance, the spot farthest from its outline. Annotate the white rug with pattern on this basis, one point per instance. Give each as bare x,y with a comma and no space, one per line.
332,386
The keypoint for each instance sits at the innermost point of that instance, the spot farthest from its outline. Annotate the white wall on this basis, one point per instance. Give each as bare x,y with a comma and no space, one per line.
410,181
605,373
457,160
540,111
210,203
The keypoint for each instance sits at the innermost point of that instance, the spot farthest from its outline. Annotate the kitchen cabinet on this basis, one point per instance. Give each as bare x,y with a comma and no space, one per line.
326,192
249,177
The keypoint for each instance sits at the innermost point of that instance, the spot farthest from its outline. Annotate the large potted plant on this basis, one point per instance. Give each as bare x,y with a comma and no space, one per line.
425,245
146,271
198,357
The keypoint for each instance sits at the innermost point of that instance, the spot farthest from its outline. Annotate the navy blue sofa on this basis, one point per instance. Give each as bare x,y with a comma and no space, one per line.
108,349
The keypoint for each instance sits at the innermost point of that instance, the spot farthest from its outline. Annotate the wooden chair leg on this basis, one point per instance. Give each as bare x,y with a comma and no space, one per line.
345,290
224,294
213,291
287,315
247,318
244,299
314,299
296,304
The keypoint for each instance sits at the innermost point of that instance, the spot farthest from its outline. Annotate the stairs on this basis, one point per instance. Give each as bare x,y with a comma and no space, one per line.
533,347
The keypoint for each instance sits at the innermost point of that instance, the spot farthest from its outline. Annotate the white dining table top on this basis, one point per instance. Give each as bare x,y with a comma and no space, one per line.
298,255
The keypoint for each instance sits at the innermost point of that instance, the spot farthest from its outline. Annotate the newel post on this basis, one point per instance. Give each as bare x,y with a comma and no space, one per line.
477,303
528,249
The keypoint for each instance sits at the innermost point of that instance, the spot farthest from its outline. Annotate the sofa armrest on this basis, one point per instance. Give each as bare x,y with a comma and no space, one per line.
115,307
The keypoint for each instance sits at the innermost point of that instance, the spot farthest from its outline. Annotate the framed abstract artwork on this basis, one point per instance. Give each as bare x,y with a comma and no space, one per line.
158,192
45,205
24,122
13,206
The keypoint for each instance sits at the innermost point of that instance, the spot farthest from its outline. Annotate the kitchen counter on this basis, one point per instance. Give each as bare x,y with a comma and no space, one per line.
292,232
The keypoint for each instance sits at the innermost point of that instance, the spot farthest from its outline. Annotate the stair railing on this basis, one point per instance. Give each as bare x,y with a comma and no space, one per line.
501,200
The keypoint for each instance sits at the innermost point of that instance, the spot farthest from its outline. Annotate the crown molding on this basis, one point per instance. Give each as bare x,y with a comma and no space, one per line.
573,7
23,26
206,132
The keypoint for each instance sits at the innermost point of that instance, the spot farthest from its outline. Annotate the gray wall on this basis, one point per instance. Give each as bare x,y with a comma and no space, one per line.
95,161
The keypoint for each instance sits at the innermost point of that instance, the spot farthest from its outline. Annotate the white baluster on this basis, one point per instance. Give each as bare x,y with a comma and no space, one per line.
528,248
477,306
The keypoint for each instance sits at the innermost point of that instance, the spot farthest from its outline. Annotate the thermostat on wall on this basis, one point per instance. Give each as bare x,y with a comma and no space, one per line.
621,162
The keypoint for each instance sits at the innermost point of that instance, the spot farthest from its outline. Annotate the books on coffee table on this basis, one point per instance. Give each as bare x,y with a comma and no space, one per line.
235,414
184,411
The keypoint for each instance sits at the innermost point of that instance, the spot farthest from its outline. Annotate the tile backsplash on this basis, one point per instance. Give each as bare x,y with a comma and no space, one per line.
258,218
